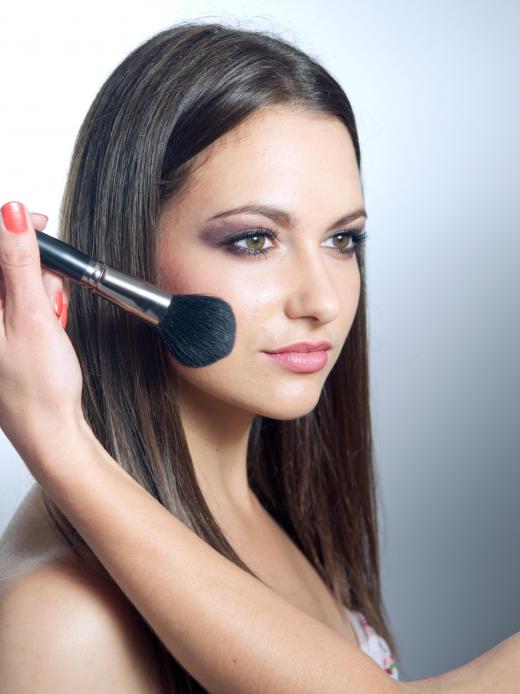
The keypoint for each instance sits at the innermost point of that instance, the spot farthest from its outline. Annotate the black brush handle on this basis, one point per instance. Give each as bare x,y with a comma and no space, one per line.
141,298
197,329
62,258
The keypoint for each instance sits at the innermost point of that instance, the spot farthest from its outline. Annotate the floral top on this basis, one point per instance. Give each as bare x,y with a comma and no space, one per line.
372,644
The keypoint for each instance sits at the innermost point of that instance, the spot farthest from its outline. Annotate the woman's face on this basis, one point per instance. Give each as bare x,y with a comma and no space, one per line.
295,287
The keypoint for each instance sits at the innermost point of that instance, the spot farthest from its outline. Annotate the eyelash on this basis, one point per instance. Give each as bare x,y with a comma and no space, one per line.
357,237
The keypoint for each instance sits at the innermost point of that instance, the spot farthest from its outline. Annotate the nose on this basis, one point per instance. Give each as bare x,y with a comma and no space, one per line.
311,293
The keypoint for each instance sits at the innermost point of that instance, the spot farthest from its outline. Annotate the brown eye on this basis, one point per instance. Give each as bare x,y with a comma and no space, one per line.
256,238
343,245
343,240
256,242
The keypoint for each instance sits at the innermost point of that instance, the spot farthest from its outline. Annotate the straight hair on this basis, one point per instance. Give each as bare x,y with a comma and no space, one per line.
168,100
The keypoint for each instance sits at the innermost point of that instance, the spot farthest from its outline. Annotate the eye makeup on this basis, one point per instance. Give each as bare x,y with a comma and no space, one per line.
356,240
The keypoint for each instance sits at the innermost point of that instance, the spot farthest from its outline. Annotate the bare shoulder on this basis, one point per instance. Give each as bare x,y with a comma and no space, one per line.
64,627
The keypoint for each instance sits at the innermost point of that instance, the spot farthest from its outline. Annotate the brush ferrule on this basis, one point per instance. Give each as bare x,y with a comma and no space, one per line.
140,298
93,273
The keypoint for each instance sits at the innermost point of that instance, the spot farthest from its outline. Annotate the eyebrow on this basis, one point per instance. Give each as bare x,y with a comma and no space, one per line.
284,218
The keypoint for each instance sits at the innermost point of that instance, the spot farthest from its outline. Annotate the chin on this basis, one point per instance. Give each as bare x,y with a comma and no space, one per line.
286,410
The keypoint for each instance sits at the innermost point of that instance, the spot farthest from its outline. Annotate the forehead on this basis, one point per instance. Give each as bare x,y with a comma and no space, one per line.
281,156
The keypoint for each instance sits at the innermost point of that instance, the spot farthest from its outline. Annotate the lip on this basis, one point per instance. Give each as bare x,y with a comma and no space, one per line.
303,347
300,362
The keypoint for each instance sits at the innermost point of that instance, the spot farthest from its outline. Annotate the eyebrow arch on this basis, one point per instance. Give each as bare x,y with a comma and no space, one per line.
284,218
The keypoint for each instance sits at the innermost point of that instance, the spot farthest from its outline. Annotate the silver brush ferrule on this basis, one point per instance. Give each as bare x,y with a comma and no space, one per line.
137,297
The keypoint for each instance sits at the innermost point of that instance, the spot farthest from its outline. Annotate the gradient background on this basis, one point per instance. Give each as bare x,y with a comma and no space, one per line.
435,89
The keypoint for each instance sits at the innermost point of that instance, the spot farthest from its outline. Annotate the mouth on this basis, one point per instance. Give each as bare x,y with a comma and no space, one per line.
298,347
300,362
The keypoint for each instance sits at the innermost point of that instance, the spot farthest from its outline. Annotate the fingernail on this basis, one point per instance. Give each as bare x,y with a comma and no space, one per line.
58,303
15,219
63,317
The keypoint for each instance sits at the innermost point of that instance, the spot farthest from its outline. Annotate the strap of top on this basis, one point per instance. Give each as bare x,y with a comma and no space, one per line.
371,643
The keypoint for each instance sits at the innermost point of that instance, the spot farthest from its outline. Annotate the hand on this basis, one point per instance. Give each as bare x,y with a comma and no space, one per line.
40,376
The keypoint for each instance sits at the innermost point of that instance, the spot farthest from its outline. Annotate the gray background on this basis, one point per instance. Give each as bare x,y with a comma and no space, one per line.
434,86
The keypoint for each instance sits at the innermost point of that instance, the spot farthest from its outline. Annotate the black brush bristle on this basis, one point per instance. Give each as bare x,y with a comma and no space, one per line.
198,329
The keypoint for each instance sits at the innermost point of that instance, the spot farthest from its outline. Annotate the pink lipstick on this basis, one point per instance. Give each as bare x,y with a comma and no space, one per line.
302,357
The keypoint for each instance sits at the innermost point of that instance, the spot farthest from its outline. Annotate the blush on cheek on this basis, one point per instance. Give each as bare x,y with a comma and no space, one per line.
177,279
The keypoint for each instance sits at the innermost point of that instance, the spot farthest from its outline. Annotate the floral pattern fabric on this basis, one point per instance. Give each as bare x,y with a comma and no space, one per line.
372,643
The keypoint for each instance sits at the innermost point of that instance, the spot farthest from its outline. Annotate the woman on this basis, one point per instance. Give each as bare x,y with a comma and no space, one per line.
271,467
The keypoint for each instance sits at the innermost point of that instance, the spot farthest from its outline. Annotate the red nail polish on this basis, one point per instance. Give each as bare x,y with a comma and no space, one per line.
58,303
15,219
63,317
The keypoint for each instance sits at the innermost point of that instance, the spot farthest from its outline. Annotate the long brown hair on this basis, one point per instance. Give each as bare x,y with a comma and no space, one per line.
165,103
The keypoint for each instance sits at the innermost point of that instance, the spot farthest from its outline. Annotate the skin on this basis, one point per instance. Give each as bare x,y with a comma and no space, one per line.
302,289
309,292
179,592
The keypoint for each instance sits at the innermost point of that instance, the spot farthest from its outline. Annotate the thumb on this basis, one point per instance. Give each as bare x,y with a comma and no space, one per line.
25,294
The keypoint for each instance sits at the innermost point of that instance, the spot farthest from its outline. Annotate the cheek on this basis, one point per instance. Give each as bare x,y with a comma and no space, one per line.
180,274
240,292
348,289
245,379
233,379
188,272
240,289
354,287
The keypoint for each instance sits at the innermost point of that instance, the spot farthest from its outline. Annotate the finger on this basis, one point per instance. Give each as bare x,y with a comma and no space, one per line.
25,296
58,290
39,221
53,282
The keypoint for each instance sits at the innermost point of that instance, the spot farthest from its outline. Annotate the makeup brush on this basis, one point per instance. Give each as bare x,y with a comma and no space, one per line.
196,328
